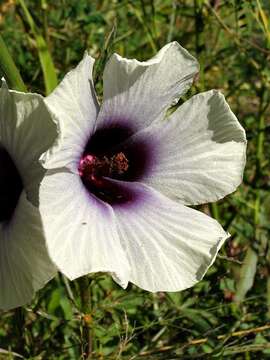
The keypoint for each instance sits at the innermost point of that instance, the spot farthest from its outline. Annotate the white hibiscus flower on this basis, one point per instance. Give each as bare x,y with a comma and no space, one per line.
120,175
26,131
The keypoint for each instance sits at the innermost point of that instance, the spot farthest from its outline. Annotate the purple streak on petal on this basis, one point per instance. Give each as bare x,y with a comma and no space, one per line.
11,186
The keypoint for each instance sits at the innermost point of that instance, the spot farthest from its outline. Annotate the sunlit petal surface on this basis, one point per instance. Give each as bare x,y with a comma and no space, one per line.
74,108
24,262
169,246
82,232
199,151
128,180
139,93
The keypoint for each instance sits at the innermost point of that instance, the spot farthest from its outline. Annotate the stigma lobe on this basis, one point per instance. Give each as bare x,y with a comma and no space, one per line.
93,168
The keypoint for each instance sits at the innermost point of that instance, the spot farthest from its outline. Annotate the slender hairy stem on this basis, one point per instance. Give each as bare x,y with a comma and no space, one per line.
259,164
85,296
19,316
200,52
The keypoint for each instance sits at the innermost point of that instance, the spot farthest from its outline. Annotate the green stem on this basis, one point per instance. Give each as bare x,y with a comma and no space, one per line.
259,165
45,58
268,297
215,211
260,144
257,212
146,28
249,267
248,270
172,21
85,296
8,67
200,52
19,316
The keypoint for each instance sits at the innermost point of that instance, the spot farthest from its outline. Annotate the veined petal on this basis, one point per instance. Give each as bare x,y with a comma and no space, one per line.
199,152
26,131
74,107
169,246
24,263
80,229
137,93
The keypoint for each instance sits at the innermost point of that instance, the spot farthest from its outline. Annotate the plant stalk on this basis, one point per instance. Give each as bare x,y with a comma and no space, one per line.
9,69
87,336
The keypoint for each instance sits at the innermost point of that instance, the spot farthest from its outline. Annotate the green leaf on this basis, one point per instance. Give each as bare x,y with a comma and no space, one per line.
9,69
47,65
247,275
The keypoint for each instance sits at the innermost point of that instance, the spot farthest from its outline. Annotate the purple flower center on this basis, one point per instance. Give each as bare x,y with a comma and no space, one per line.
110,155
11,186
93,168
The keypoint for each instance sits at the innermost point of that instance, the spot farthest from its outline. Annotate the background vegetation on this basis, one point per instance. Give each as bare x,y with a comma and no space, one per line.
227,315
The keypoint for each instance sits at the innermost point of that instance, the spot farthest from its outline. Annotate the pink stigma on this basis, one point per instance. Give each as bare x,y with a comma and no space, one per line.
92,168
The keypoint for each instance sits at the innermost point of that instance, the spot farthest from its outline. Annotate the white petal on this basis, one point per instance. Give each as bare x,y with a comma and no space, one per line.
169,246
24,263
80,229
140,92
26,131
74,107
199,153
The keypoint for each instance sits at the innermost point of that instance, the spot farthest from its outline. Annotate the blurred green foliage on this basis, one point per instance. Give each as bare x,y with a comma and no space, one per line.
227,315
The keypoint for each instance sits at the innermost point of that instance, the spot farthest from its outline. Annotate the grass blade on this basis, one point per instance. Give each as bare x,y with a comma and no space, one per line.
47,65
9,69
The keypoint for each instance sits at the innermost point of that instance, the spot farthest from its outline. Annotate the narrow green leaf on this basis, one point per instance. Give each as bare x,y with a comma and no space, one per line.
268,297
247,275
9,69
47,65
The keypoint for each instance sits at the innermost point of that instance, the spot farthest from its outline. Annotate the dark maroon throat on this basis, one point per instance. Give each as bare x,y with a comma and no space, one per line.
108,160
11,186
